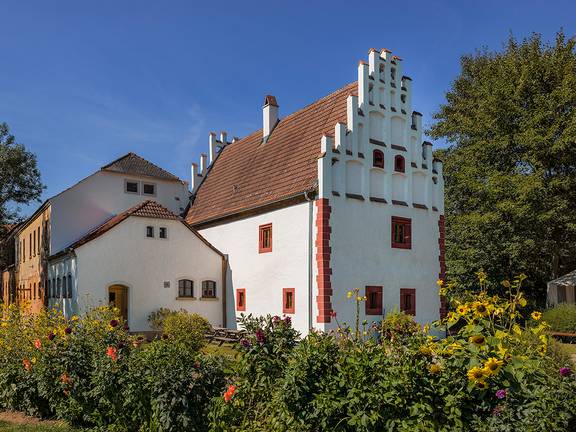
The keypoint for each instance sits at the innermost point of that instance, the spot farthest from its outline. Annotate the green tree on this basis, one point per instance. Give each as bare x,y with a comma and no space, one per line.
19,177
510,168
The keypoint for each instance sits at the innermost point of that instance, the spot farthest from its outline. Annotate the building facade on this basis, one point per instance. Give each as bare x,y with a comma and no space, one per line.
342,194
70,215
143,259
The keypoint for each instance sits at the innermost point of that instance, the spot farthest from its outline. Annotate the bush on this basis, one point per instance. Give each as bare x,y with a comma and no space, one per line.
156,318
90,372
187,328
498,371
562,318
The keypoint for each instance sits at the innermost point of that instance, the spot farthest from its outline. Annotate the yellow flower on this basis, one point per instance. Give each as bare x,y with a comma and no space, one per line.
477,340
476,374
439,282
481,309
493,365
516,329
4,324
543,339
452,317
523,302
462,309
349,294
481,385
75,318
536,315
426,350
452,348
542,349
506,283
435,368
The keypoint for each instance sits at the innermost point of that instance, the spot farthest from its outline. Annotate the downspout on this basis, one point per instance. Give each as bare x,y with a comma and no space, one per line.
310,256
224,288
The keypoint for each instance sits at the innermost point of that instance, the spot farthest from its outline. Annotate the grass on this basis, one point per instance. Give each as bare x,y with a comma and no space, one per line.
39,427
225,350
569,348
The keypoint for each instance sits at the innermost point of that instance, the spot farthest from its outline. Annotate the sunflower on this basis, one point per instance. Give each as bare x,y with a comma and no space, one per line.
493,365
481,385
477,340
481,309
462,309
542,349
439,282
435,368
476,374
536,315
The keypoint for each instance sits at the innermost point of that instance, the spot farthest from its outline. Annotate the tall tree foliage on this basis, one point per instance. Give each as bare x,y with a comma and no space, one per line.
19,177
510,168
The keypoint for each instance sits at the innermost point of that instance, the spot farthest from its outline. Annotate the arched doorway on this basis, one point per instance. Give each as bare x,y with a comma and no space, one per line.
118,297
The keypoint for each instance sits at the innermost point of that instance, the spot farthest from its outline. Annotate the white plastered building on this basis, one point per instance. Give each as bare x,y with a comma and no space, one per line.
341,194
140,260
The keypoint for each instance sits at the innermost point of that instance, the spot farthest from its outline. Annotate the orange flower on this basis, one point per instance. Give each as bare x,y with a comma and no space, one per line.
112,353
27,365
229,393
38,344
65,378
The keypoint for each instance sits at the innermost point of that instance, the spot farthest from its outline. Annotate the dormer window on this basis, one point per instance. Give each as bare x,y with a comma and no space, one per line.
378,159
393,74
399,164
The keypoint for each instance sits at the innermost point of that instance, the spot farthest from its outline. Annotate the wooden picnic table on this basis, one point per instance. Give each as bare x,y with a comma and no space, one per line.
223,335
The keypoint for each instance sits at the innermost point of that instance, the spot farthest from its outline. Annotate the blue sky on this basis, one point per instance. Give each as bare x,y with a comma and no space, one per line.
82,83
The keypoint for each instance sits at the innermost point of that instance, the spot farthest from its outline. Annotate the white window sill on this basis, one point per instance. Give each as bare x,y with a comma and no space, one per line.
209,299
185,298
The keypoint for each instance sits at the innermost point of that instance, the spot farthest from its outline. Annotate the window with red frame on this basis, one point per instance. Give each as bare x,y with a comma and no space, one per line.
378,159
401,232
399,163
241,299
373,304
265,238
288,300
408,300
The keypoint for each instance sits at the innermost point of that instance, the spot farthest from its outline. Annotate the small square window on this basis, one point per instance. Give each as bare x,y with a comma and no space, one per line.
150,231
373,303
265,238
131,187
408,301
241,299
288,301
163,232
149,189
401,233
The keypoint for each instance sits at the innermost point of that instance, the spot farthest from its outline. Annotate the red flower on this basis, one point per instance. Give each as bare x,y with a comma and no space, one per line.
38,344
112,353
26,363
229,393
333,314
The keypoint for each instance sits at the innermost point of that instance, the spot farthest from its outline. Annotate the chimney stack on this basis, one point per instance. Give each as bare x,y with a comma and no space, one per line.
270,116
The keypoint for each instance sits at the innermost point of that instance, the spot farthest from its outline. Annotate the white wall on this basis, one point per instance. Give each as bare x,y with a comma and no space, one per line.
99,197
362,255
264,275
125,256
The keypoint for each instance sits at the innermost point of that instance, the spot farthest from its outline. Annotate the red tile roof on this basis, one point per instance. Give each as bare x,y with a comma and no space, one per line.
131,163
248,173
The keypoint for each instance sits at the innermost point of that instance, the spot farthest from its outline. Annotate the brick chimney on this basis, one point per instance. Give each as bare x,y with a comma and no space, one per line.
270,116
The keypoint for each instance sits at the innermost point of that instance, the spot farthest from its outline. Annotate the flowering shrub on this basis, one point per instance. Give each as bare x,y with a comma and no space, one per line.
496,371
92,373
